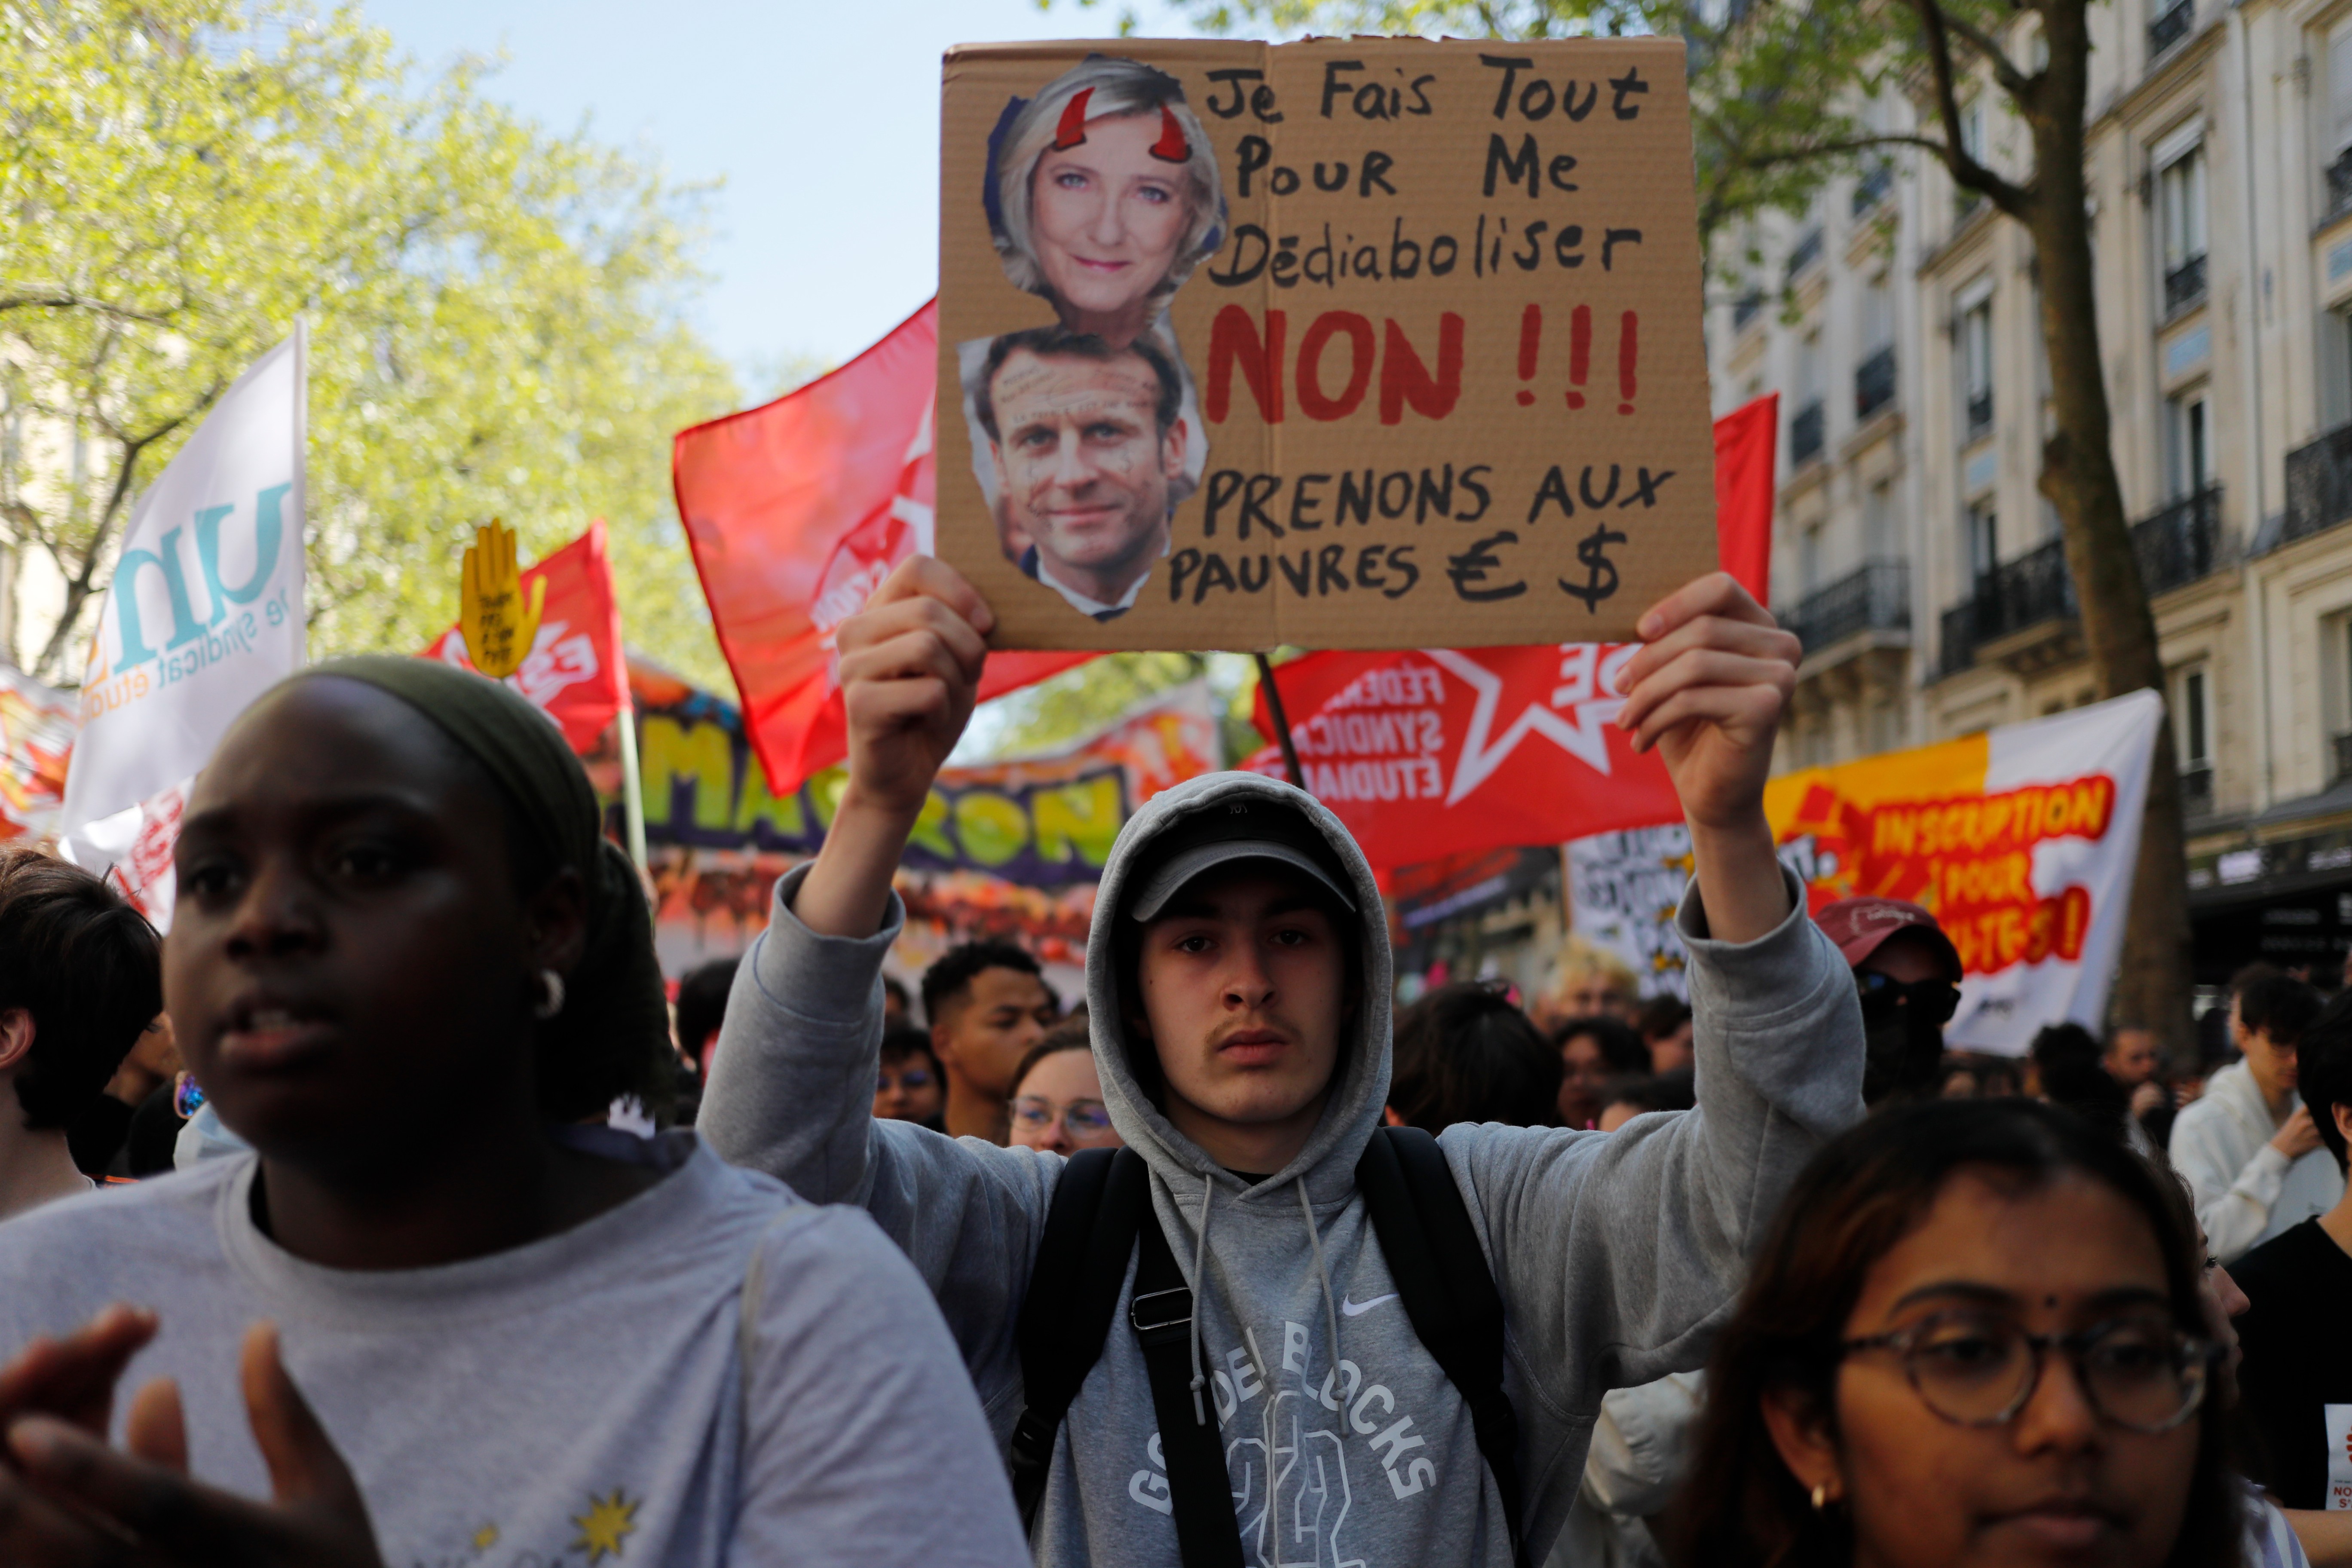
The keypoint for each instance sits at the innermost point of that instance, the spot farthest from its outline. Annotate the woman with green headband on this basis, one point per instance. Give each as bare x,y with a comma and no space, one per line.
441,1314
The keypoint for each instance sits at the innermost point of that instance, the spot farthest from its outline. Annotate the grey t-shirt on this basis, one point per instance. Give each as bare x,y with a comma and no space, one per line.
711,1373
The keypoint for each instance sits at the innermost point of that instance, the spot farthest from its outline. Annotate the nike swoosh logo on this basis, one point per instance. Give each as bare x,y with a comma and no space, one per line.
1357,1308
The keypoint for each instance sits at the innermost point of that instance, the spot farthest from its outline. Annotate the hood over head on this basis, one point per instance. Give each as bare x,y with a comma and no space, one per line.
1193,811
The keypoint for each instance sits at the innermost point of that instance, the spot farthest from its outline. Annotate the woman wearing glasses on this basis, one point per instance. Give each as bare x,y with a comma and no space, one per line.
1974,1337
1057,1099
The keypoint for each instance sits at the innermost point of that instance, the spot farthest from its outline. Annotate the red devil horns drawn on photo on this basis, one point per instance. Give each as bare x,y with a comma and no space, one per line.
1072,130
1171,148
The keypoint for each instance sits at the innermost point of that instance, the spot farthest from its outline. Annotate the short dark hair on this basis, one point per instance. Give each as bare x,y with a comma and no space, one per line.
2279,1007
87,968
1661,1016
900,1041
950,977
1861,1195
1463,1053
1621,1048
2074,1076
2323,1069
702,1004
1675,1090
1060,342
2252,974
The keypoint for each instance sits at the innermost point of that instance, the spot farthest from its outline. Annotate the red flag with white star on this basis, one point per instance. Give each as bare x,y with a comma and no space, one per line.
1438,751
796,510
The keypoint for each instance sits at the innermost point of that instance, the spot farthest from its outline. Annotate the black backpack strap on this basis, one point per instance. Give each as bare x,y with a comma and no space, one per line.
1200,1491
1448,1289
1073,1284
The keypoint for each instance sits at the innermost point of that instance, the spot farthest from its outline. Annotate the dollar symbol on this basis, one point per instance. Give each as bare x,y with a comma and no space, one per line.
1600,579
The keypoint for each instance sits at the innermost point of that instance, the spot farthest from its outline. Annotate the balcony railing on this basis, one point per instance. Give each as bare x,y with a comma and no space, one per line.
2012,597
1808,251
1980,415
1745,309
1873,187
1805,434
2197,789
2171,25
1875,597
1874,384
2180,544
2339,185
2318,485
2184,285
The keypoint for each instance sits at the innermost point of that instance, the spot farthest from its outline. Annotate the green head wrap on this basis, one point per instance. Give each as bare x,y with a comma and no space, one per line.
612,1037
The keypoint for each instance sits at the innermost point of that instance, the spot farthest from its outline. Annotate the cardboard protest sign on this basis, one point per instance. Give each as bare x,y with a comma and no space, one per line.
1343,344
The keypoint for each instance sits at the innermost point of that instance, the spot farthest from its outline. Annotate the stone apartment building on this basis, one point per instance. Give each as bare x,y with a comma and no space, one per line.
1899,323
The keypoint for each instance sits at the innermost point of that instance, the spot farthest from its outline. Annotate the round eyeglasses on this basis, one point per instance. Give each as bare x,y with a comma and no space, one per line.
1083,1118
1978,1369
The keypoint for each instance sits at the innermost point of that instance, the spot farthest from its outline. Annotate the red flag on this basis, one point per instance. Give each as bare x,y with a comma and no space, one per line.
796,512
1747,439
1447,751
575,673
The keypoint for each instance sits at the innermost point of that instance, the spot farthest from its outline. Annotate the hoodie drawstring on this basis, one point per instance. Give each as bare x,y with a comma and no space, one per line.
1199,1295
1331,1305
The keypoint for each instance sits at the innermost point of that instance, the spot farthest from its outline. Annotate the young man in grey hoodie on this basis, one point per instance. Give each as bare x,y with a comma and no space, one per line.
1238,979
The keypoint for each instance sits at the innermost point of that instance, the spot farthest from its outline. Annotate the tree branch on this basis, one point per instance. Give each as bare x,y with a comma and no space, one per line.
2012,80
1965,170
66,300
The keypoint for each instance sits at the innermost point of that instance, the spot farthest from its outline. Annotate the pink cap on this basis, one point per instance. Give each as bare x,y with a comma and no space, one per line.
1860,927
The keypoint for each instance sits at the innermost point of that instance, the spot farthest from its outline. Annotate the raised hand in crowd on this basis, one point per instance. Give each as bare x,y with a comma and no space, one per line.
69,1500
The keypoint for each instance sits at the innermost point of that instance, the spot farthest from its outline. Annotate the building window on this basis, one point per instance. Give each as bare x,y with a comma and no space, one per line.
1809,559
2336,153
2189,445
2168,24
1808,426
2181,224
2192,711
2336,639
1975,368
1980,535
1878,522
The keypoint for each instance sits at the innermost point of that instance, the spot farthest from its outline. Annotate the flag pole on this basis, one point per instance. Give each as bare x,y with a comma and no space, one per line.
1281,722
633,789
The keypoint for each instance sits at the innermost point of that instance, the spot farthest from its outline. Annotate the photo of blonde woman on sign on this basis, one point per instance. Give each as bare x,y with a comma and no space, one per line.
1102,196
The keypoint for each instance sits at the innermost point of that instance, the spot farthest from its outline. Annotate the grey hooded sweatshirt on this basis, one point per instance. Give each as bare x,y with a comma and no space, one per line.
1617,1254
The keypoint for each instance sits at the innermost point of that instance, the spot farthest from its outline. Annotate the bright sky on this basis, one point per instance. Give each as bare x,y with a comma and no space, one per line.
823,123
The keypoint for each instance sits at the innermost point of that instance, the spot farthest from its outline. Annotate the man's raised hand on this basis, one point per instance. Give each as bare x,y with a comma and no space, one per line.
1707,690
910,666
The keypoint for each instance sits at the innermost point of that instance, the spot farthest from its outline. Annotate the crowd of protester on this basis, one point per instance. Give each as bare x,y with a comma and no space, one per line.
429,1234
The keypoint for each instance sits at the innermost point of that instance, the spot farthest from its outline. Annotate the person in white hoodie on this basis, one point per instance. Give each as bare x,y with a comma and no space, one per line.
2248,1147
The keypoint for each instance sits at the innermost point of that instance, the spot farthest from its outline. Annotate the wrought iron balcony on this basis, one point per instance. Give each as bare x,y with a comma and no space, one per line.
1979,414
1874,597
1745,309
2182,543
2339,185
1873,188
1805,434
1874,384
2184,285
1808,250
2012,597
2197,789
2171,25
2318,485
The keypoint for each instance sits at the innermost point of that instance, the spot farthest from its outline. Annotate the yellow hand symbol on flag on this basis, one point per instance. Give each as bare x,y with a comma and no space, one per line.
497,624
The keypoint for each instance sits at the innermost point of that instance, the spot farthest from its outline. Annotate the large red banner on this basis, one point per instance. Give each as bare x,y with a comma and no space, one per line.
796,512
1439,752
575,673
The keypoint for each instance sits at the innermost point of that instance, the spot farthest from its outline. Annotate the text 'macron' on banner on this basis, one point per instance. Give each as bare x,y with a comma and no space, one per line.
1343,344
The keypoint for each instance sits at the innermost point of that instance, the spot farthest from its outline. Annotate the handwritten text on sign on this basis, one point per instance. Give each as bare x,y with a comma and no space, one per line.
1365,343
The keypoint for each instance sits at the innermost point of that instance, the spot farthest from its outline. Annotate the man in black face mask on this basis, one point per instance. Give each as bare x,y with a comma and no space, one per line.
1910,976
